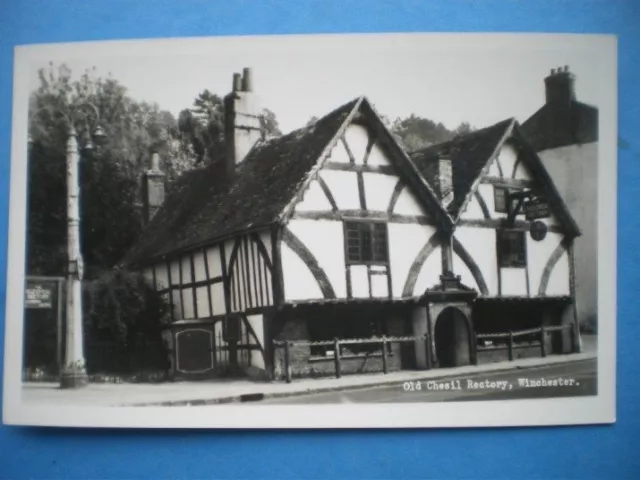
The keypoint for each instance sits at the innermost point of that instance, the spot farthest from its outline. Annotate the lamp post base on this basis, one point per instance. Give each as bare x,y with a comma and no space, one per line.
73,379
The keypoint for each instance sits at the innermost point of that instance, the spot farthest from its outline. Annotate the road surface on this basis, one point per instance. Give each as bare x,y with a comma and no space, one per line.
558,380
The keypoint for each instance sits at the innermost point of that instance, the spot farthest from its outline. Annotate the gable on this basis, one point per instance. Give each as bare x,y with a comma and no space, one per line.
363,169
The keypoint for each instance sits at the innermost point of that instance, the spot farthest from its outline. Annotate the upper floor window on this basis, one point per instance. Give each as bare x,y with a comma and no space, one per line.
366,242
512,248
501,200
500,195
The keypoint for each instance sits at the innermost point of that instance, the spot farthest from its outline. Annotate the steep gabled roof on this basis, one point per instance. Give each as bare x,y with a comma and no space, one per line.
204,206
557,125
471,153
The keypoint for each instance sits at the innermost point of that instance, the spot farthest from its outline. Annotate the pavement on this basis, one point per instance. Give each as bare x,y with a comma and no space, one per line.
219,391
574,379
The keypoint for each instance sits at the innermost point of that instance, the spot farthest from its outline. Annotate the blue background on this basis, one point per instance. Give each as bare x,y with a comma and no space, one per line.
580,452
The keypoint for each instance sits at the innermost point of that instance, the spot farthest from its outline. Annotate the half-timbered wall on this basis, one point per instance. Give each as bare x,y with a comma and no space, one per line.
358,182
476,248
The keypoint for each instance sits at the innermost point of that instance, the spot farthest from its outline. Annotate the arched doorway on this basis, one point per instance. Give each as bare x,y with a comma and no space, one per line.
452,338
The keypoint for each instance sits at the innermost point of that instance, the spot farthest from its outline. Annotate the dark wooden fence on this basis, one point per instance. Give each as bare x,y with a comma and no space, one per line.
538,335
383,342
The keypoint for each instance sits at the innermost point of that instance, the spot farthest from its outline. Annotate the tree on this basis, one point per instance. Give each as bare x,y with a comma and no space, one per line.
109,178
202,127
417,132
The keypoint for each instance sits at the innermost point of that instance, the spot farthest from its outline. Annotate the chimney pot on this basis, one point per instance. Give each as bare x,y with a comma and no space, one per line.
155,162
153,188
247,80
237,82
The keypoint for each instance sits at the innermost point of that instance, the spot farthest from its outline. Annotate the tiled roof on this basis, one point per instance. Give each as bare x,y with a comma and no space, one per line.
469,154
555,125
203,206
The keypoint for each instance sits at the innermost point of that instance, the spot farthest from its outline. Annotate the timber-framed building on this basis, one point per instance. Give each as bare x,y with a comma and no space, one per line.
335,231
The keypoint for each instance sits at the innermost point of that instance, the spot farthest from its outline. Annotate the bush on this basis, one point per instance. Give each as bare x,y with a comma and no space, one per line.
124,319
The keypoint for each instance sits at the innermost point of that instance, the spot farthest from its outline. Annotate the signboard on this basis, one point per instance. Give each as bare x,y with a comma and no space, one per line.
535,209
39,295
538,231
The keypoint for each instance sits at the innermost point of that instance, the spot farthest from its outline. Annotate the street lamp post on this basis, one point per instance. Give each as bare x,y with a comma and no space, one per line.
74,374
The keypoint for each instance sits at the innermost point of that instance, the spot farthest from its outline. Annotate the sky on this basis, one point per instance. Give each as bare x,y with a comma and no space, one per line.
480,79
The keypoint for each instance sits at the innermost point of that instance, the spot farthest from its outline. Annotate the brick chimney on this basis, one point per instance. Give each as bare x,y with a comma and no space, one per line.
153,188
243,126
445,178
559,86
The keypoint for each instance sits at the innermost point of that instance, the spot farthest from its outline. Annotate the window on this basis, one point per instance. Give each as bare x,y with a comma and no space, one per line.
512,248
366,242
501,198
500,195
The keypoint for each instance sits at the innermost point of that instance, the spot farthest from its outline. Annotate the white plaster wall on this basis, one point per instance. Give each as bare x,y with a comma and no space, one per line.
344,188
217,299
313,199
185,262
473,211
187,302
559,279
407,204
574,171
538,254
378,189
339,154
480,243
430,272
175,272
256,322
357,138
405,242
213,259
514,282
379,286
299,283
494,169
202,302
486,191
199,266
377,156
507,157
359,281
325,239
266,241
466,277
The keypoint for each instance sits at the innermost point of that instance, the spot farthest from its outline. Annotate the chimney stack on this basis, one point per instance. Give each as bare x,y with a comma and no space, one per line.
243,126
560,86
153,186
445,178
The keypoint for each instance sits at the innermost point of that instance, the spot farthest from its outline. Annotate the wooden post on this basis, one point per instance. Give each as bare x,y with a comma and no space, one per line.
510,346
287,362
572,337
336,357
385,368
543,347
427,351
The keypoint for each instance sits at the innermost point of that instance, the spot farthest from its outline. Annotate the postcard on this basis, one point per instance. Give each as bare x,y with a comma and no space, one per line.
331,231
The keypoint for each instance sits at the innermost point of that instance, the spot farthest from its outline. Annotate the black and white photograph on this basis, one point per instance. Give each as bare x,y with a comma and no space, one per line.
400,230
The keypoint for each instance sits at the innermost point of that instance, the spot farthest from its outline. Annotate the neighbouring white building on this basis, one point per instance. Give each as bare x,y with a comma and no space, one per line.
564,132
334,231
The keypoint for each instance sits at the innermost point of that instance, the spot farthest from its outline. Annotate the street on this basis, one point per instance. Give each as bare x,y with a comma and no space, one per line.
560,380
